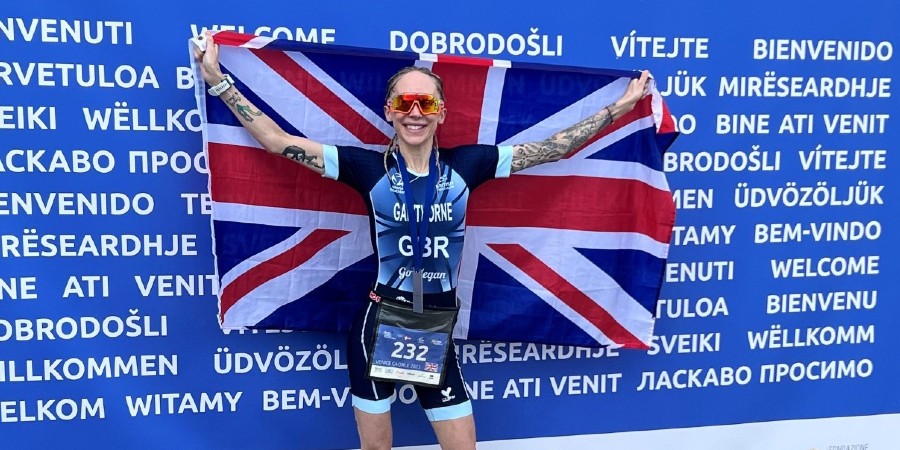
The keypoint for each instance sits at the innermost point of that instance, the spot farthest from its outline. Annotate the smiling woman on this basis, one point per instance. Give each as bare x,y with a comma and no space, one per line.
415,106
416,195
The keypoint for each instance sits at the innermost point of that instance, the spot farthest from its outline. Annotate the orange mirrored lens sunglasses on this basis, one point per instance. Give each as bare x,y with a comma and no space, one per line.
403,103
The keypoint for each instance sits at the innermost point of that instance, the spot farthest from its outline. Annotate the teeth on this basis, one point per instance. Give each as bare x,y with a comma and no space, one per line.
415,127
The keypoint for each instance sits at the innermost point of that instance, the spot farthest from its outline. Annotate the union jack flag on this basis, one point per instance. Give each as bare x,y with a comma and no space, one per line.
431,367
570,252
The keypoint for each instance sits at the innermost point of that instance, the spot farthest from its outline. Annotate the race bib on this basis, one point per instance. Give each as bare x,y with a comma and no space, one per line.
409,346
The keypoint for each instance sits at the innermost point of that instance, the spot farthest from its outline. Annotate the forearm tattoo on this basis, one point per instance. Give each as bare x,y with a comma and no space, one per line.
560,144
299,155
233,98
245,111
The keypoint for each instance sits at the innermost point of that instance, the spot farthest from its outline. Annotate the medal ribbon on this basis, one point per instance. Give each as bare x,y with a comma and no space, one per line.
418,232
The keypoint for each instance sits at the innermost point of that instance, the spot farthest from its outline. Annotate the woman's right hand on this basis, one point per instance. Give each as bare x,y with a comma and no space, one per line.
209,60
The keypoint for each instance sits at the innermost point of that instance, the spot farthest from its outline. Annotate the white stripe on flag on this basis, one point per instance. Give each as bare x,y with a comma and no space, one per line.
579,165
572,114
597,285
462,327
656,103
279,291
552,240
286,217
290,103
490,106
231,135
571,238
373,117
270,296
248,264
424,62
257,42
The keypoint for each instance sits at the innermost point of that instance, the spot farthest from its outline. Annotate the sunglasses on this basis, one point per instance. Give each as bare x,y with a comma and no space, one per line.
403,103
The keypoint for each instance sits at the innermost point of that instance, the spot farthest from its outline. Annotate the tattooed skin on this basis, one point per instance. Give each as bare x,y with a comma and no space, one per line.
560,144
233,98
246,111
299,155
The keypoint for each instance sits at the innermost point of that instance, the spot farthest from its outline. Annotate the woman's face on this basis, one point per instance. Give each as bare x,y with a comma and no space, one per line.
414,129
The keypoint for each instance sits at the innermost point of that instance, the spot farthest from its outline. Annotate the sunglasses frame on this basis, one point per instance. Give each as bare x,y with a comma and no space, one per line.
407,96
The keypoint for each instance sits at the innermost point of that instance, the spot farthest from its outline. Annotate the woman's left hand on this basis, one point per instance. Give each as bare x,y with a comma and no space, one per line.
637,89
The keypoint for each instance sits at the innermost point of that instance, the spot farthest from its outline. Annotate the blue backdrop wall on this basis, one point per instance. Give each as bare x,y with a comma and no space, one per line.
779,303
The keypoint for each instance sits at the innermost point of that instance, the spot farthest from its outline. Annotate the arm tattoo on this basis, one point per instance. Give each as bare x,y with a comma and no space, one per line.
560,144
233,98
299,155
245,111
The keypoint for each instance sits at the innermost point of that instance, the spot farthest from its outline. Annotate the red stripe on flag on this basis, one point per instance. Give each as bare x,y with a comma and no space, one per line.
579,203
254,177
470,60
232,38
569,294
668,123
322,96
464,92
277,266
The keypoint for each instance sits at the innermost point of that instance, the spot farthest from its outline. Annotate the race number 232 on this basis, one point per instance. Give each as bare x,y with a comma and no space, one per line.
409,351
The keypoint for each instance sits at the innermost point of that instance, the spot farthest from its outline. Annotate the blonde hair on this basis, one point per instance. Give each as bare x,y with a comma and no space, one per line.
393,146
392,82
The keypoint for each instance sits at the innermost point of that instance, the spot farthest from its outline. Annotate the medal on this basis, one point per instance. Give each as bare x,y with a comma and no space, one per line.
418,298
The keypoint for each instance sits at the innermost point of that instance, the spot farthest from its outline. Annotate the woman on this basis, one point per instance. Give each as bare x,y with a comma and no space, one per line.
416,195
